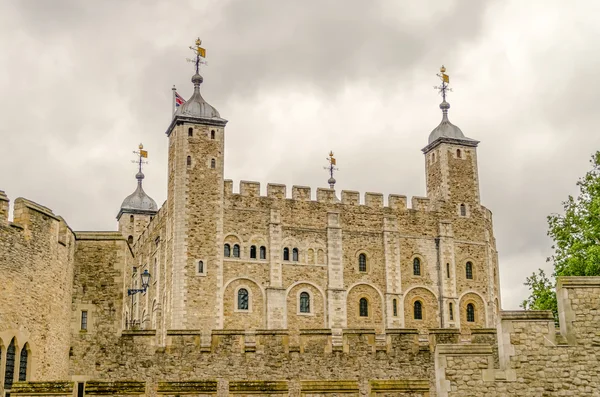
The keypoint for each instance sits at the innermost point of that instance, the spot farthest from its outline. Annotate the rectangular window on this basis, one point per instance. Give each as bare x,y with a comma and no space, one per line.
80,389
84,319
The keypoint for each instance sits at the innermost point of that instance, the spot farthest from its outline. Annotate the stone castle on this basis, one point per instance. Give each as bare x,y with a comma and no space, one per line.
222,293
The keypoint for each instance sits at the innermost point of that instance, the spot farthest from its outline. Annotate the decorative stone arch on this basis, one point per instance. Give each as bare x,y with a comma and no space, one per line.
233,239
21,341
376,308
315,247
252,318
291,243
154,314
429,306
258,240
422,265
477,300
462,271
368,256
317,318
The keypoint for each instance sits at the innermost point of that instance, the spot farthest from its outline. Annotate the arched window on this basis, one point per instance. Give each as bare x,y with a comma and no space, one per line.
450,311
227,251
310,256
130,239
395,307
304,302
418,311
9,369
469,270
189,160
236,251
212,134
213,163
190,131
362,263
131,218
448,270
417,267
23,364
470,313
201,267
295,254
242,299
458,153
363,307
253,252
286,254
463,210
263,252
321,257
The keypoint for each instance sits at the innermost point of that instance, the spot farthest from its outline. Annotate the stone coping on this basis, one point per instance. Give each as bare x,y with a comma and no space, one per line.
42,388
464,349
138,332
258,387
329,386
400,331
188,387
99,235
229,332
479,331
36,207
323,331
98,388
271,332
359,331
436,331
183,332
395,385
526,315
577,282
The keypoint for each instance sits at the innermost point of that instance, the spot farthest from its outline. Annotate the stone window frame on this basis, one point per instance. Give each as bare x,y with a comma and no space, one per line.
467,210
369,312
421,265
450,311
235,299
467,314
422,307
473,272
367,261
204,265
395,307
311,301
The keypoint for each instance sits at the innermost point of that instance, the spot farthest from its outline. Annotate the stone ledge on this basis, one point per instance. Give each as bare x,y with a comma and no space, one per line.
138,332
480,331
41,388
99,236
359,331
188,387
258,387
401,331
526,315
271,332
464,349
183,332
97,388
437,331
228,332
322,331
338,386
396,385
577,282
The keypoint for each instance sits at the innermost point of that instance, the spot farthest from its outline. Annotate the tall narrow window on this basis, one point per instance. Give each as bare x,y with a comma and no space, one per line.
80,389
463,210
448,270
253,252
417,267
286,254
201,267
23,364
243,299
212,134
363,307
263,252
130,239
189,160
458,153
190,131
395,307
418,311
84,319
131,218
469,270
304,302
227,251
9,369
450,311
213,163
362,263
236,251
295,254
470,313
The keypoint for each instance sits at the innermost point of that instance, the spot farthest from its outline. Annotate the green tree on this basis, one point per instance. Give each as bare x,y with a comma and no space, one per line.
576,235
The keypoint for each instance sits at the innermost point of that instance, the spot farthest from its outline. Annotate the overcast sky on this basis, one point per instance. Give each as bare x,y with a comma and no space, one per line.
82,83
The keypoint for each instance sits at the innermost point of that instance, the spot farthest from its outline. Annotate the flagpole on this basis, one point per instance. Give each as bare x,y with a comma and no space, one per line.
174,90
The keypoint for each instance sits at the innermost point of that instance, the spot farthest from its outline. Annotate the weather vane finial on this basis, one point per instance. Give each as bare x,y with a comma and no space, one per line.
331,167
443,89
200,53
142,154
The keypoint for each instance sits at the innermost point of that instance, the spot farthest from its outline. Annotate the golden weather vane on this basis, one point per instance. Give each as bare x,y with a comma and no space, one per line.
331,167
443,89
142,154
200,53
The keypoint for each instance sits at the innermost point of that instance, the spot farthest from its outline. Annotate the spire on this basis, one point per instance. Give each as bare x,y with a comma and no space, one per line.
445,129
331,167
139,202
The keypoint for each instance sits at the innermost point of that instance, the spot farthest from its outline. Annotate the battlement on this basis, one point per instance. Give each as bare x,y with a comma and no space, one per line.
276,191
